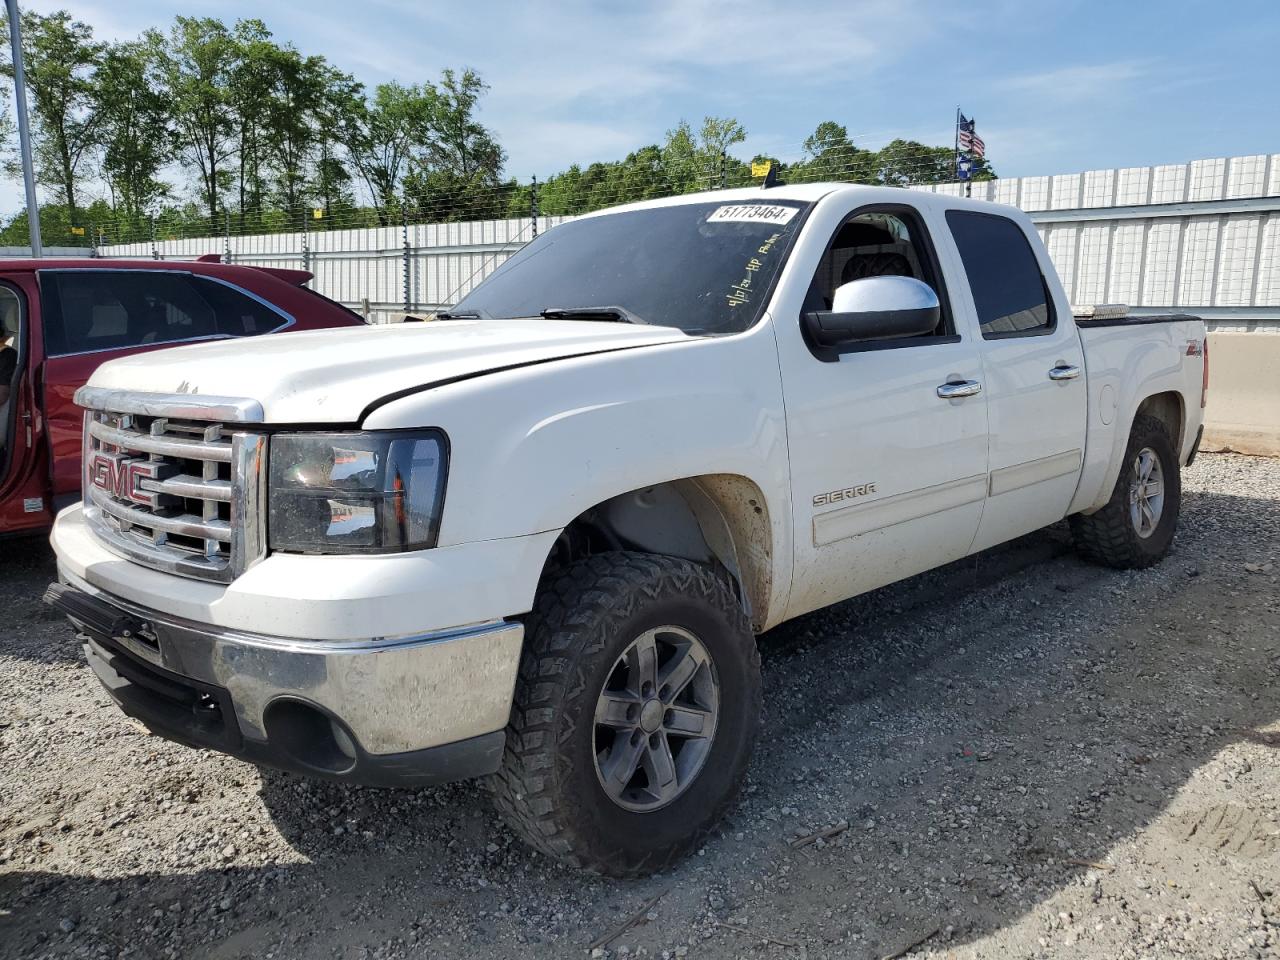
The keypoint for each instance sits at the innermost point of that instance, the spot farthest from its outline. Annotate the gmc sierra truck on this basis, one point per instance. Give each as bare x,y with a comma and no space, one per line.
536,538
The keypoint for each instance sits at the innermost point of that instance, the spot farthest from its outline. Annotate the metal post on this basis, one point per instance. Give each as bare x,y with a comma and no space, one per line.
533,207
93,239
404,233
24,129
226,236
723,169
155,251
306,243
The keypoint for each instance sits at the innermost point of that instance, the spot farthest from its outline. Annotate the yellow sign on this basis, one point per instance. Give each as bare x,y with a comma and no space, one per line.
760,168
78,231
317,214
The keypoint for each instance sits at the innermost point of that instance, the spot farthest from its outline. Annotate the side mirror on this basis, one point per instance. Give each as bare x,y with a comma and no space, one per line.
875,308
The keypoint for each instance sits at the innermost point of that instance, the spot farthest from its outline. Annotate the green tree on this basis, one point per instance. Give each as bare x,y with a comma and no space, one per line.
458,171
331,178
298,87
193,65
902,163
693,161
829,154
249,82
61,59
133,130
381,136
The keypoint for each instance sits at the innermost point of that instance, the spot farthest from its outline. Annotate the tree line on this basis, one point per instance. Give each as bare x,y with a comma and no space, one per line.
268,137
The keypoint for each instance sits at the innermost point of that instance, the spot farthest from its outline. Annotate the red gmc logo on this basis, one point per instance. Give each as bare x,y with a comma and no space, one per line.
118,475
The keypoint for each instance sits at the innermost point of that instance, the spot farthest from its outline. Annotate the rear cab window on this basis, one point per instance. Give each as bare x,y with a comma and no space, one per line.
91,310
1009,290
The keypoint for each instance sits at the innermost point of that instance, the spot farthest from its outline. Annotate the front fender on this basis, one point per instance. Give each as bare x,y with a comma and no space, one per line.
533,448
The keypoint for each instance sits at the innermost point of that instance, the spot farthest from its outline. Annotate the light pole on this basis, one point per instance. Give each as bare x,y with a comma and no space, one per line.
24,131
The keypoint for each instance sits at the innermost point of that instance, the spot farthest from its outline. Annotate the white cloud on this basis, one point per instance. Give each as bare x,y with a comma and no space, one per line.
1081,81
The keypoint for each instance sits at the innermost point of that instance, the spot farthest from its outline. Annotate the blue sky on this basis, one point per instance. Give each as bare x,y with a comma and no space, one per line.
1055,86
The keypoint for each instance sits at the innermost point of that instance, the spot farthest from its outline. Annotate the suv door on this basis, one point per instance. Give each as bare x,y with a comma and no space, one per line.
888,477
1033,371
23,504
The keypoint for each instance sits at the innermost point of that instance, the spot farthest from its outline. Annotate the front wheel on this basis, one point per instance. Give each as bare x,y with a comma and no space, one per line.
1137,525
635,712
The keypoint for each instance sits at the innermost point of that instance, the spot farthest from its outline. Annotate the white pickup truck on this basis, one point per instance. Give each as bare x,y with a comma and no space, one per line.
536,538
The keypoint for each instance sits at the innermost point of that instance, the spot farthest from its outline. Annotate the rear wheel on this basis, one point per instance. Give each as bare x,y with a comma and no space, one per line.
1136,527
635,712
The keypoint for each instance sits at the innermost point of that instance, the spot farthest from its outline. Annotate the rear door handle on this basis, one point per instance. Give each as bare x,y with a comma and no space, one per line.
1064,372
958,389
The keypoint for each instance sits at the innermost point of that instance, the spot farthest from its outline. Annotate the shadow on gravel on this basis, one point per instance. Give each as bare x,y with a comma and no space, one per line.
988,730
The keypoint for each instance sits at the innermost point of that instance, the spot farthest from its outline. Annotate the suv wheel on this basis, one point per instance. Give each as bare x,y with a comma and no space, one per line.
635,712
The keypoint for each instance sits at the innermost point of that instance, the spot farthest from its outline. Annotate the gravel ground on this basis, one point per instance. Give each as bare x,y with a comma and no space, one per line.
1017,756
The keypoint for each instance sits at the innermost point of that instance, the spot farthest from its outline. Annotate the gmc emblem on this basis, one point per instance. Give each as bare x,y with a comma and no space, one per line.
118,475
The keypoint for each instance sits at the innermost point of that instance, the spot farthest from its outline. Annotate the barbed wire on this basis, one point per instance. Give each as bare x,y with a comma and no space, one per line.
510,200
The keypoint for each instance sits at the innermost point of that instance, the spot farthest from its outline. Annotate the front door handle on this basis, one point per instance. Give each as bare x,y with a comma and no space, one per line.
958,389
1064,371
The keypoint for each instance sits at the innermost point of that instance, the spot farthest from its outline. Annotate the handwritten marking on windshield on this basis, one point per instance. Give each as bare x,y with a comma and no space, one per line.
740,292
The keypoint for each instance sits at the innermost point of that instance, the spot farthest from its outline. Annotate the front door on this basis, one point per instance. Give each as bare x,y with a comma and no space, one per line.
1033,375
23,504
888,476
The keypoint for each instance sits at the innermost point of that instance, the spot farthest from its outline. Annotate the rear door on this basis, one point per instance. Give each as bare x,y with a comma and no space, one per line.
888,476
1033,373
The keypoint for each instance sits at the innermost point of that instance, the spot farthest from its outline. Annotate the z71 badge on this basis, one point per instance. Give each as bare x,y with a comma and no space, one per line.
848,493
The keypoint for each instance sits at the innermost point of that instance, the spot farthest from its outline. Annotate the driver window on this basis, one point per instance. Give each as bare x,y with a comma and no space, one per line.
10,318
876,244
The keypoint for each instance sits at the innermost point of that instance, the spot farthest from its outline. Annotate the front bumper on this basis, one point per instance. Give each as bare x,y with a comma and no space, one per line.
390,712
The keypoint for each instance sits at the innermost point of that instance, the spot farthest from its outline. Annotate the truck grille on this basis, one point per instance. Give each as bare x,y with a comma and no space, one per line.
172,492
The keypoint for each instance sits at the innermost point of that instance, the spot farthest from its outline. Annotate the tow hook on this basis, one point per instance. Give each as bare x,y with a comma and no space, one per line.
207,711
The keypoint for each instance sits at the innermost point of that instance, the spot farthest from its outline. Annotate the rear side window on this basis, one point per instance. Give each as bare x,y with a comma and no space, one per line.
1008,288
237,314
89,310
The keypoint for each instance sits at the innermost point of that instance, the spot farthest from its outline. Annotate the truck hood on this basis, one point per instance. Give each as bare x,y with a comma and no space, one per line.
332,376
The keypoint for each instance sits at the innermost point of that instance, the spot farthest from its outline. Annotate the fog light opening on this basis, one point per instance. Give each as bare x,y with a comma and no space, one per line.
309,736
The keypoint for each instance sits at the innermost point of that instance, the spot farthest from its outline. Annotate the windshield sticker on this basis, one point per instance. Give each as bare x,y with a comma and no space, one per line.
753,213
740,292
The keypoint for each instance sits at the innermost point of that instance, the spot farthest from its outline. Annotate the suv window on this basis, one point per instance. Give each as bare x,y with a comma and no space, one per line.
88,310
1009,291
237,314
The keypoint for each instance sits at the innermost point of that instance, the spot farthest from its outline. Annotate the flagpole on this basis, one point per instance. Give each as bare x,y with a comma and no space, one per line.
955,153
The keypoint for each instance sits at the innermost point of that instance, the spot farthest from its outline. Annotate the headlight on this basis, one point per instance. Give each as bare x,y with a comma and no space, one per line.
355,492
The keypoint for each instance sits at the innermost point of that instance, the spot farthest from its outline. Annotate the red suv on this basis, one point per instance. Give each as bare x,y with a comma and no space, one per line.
59,319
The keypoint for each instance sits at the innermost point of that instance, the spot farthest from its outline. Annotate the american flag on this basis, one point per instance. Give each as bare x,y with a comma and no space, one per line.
969,140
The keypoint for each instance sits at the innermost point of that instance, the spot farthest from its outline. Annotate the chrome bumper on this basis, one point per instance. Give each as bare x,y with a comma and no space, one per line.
408,710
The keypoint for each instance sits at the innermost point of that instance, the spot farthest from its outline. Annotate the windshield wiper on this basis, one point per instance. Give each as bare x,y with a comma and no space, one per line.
459,315
617,314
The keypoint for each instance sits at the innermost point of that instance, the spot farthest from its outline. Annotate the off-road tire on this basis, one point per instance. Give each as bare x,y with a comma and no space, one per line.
584,617
1108,536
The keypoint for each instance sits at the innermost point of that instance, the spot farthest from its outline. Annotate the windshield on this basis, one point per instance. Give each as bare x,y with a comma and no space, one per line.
702,267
